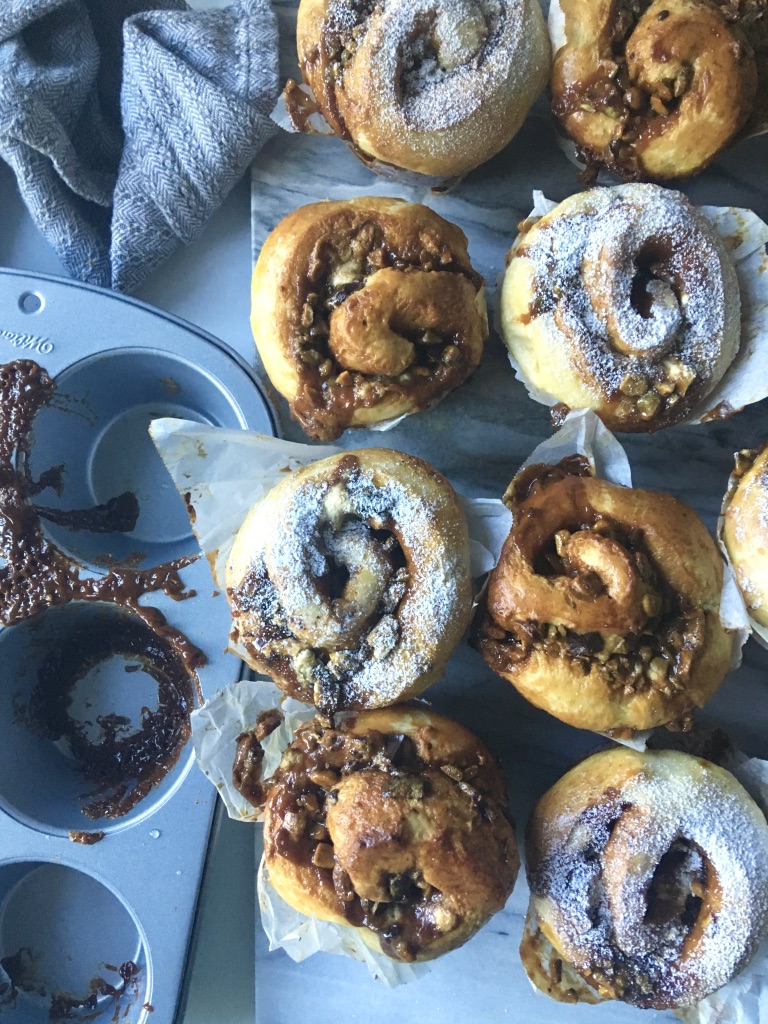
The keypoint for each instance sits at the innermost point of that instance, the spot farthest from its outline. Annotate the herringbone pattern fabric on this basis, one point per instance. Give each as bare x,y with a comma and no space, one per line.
127,122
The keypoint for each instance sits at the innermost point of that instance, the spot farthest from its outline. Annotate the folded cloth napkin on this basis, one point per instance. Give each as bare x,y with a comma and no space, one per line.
127,122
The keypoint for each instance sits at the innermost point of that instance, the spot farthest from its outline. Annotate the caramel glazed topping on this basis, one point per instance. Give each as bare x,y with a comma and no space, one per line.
644,109
408,914
36,576
658,655
432,348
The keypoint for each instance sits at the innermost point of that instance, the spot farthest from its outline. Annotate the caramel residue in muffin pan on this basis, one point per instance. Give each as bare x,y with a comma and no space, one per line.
35,576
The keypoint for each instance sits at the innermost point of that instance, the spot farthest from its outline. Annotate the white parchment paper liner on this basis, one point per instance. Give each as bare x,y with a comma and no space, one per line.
744,1000
759,631
215,728
746,380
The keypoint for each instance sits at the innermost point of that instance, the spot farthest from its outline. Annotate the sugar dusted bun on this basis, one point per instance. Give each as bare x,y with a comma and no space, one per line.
649,875
745,529
364,310
604,607
349,583
623,300
435,88
395,823
654,90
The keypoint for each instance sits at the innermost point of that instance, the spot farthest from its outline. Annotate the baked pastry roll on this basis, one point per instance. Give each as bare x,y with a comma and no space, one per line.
435,88
364,310
744,529
622,300
394,822
604,607
654,89
349,582
649,875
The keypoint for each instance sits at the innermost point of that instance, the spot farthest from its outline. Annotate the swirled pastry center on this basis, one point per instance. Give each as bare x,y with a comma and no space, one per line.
433,62
408,844
604,606
342,598
636,295
585,588
421,89
657,890
375,324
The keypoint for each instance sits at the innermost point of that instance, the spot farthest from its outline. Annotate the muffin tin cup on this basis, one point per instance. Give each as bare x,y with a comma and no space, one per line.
123,894
55,788
97,429
70,947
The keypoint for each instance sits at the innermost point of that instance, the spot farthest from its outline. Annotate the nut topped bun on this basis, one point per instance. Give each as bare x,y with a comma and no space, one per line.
349,583
625,301
428,87
655,89
394,822
604,607
745,529
364,310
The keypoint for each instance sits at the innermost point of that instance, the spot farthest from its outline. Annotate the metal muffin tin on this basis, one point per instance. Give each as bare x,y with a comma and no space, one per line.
70,913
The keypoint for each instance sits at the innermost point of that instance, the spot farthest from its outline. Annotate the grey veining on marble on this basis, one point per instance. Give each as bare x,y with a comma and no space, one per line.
478,436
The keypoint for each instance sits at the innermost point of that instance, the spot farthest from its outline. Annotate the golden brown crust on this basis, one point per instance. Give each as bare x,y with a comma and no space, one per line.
653,90
745,529
649,875
435,89
395,823
364,310
349,583
604,606
623,300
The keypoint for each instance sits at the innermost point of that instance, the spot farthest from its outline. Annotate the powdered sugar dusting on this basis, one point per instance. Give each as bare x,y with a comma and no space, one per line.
585,266
435,65
597,879
387,628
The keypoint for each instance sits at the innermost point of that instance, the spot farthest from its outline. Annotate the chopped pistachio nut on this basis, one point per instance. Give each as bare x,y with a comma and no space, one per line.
323,856
651,604
648,405
657,669
561,539
634,385
311,357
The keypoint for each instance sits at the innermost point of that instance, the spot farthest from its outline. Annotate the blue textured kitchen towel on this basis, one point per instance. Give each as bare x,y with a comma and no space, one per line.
127,122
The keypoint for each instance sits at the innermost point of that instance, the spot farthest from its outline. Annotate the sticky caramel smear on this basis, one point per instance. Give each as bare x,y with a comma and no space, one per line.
35,576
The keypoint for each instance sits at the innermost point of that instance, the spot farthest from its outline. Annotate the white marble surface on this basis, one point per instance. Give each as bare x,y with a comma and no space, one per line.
478,437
